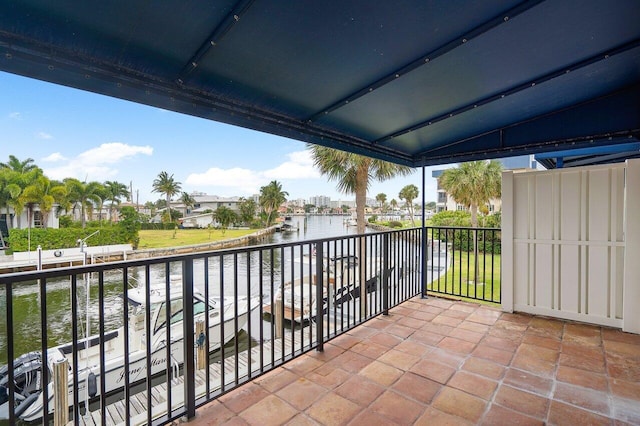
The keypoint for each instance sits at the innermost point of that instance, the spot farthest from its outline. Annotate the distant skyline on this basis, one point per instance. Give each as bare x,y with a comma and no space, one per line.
72,133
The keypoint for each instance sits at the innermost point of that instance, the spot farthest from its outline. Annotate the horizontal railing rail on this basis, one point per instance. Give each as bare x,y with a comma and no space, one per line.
150,340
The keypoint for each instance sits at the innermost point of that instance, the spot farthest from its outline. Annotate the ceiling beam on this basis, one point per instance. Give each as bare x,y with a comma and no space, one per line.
516,89
214,39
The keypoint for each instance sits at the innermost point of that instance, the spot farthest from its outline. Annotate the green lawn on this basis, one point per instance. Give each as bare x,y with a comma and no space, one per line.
185,237
459,280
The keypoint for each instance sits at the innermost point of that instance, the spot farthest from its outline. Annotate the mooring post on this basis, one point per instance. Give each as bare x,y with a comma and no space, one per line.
61,393
278,313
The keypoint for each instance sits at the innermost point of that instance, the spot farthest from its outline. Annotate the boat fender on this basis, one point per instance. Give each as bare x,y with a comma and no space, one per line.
92,385
201,340
26,403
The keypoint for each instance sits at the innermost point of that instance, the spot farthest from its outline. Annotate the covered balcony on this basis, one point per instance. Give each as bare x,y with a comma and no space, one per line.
415,83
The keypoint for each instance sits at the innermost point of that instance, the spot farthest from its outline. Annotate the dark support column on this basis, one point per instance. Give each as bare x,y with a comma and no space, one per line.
189,341
385,278
319,296
424,249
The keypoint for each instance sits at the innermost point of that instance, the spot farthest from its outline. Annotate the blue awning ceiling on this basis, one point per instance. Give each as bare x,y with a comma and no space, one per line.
414,82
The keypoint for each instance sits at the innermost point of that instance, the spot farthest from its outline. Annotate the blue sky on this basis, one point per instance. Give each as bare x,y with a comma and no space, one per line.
72,133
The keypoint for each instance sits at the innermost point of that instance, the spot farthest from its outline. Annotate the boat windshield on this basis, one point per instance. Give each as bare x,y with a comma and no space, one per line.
176,311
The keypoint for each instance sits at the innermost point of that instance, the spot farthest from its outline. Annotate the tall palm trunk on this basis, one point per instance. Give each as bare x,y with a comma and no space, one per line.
168,209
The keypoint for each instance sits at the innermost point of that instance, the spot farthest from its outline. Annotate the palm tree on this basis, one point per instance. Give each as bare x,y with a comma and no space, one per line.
165,184
353,173
19,166
382,199
188,201
44,193
473,184
85,194
10,190
394,204
408,194
225,217
115,191
271,197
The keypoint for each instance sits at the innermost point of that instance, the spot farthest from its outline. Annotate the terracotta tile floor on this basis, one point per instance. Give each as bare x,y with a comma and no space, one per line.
463,364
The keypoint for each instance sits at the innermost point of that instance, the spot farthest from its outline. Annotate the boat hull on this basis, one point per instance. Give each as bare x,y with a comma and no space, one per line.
115,372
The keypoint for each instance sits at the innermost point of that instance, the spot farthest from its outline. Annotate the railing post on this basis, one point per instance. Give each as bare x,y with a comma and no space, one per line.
424,261
189,341
385,278
319,296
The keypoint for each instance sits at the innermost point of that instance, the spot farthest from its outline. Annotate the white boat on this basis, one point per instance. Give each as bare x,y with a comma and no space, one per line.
297,298
28,367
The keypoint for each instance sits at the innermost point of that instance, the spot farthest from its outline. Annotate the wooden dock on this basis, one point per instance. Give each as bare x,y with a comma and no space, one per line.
115,412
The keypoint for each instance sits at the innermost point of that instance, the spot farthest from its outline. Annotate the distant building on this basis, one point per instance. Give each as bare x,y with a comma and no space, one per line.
21,221
444,201
320,201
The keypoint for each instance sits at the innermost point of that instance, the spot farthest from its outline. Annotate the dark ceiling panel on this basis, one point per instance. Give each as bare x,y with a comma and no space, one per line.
411,81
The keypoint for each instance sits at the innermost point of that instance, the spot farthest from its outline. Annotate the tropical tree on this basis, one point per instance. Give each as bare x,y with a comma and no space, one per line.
103,195
167,185
247,207
44,193
225,217
473,184
10,190
408,194
19,166
188,201
17,176
115,191
382,199
271,197
84,194
354,173
394,204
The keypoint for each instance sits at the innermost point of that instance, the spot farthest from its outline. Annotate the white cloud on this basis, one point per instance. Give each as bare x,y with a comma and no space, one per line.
110,153
44,135
53,158
230,181
15,116
236,178
299,166
95,164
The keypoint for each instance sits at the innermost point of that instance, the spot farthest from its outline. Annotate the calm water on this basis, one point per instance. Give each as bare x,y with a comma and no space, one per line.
27,303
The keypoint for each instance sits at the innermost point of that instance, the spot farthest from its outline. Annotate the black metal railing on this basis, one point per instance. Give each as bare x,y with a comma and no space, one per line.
464,262
132,344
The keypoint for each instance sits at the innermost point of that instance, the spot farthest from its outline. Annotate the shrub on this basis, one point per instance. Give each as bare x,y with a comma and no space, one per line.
451,218
395,224
52,239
